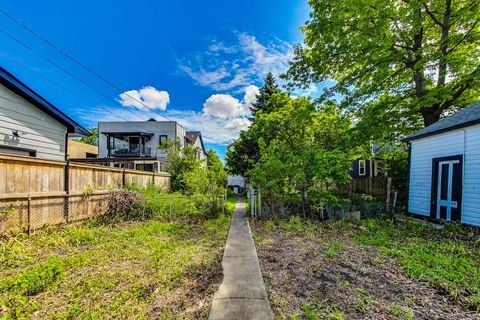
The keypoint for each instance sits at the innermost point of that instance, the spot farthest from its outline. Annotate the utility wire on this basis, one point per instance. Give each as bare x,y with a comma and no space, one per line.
62,68
64,88
96,74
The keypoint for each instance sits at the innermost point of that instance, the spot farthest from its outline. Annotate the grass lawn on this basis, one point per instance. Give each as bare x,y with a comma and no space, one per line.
377,269
231,202
131,270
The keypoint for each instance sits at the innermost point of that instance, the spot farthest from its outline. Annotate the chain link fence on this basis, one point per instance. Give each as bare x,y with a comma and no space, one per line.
27,213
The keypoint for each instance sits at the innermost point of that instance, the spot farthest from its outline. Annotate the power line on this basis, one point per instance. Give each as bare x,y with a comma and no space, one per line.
64,88
62,68
96,74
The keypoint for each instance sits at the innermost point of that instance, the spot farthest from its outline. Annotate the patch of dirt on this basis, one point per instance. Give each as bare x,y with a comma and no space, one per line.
351,278
192,299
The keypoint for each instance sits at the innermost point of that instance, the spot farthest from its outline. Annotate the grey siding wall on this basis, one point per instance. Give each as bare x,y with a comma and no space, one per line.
37,130
464,142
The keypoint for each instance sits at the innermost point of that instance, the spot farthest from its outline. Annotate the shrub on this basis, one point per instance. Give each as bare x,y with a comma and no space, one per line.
124,204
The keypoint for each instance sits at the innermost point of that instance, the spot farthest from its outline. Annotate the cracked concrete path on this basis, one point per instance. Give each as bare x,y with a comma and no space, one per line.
241,295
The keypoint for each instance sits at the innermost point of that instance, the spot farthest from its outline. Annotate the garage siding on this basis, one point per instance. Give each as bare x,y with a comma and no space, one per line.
457,142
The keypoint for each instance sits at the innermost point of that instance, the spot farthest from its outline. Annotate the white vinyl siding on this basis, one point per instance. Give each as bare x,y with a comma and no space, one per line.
457,142
471,185
36,129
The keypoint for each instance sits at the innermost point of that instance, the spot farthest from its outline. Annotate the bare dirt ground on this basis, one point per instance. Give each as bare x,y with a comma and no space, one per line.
329,276
192,299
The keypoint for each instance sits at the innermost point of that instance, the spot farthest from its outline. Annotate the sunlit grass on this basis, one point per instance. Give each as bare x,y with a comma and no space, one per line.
100,271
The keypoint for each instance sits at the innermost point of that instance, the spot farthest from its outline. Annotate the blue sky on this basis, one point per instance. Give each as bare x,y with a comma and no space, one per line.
198,62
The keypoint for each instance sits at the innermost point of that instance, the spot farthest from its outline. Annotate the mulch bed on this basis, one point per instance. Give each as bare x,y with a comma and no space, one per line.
354,279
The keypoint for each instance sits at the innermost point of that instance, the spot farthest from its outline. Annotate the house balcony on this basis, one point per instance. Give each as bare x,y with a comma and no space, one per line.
130,150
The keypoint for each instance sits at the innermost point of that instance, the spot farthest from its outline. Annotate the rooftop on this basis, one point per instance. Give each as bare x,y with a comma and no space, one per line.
463,118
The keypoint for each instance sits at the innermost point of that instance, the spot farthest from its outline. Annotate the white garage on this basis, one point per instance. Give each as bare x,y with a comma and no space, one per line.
444,169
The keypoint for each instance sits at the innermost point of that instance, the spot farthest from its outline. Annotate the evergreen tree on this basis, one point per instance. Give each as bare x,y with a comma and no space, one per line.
269,88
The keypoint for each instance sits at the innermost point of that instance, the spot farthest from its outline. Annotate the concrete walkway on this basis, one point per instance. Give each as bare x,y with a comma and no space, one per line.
241,295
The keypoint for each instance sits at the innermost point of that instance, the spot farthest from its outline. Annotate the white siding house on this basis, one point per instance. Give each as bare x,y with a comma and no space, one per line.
444,169
29,125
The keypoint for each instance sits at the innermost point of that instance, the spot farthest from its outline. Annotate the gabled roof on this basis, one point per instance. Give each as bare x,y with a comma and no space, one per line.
463,118
18,87
193,136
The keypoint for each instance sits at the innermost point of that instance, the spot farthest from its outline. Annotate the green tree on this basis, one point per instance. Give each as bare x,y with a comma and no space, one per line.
269,89
216,170
307,154
418,58
180,160
92,138
244,152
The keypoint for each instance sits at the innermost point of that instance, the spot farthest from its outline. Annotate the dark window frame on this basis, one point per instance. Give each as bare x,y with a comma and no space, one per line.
162,138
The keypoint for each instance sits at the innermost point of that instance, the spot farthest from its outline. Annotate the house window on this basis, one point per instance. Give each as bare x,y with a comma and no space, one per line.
379,168
162,139
185,142
361,167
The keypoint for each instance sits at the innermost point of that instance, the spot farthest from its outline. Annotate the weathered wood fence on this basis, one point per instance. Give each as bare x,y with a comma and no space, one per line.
37,192
374,186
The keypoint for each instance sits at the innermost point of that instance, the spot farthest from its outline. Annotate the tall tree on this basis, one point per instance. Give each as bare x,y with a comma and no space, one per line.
269,89
420,57
244,152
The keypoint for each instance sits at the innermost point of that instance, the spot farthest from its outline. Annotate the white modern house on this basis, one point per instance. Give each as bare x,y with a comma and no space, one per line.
444,169
30,125
135,144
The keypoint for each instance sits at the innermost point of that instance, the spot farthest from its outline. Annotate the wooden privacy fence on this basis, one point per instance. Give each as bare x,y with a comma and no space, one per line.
374,186
36,192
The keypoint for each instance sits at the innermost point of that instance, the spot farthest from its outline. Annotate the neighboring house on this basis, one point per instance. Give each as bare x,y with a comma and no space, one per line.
134,144
30,125
365,168
444,169
236,183
78,149
369,167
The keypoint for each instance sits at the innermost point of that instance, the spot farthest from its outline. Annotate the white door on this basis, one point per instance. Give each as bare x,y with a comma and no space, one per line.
445,203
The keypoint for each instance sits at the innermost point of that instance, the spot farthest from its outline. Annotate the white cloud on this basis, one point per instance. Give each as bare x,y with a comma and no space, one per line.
225,67
147,97
223,106
205,78
238,124
250,97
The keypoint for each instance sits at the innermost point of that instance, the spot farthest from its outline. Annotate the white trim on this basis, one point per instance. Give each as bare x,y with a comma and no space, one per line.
360,167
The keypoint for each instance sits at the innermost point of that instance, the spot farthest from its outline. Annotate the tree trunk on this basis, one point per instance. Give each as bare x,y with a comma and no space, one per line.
430,117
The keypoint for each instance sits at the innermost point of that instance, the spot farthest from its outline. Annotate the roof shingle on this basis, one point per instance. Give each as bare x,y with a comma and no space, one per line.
465,117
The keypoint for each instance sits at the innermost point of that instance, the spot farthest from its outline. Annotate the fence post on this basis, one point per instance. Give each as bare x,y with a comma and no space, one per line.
171,207
389,186
29,214
259,202
252,196
123,178
66,201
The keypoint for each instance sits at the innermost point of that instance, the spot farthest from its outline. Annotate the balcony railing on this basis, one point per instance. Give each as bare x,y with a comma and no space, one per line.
129,150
